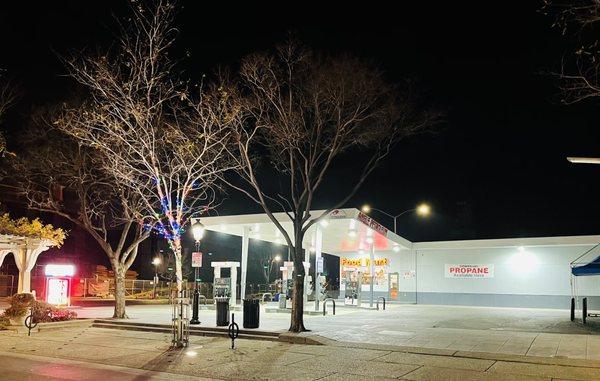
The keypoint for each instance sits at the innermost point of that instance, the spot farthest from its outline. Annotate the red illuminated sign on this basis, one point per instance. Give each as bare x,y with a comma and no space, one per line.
469,271
376,226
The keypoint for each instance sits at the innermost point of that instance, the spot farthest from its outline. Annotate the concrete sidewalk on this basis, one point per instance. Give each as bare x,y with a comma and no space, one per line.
531,332
264,360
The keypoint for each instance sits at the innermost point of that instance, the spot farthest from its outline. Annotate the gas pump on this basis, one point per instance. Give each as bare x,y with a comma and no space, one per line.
222,288
287,272
353,287
225,288
322,282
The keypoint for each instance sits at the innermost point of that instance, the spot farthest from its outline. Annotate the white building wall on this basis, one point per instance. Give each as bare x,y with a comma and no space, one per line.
538,276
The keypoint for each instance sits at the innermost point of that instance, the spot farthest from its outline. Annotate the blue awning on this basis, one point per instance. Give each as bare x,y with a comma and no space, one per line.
592,268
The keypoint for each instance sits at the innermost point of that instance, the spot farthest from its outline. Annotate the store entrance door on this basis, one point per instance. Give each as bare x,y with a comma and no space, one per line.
393,284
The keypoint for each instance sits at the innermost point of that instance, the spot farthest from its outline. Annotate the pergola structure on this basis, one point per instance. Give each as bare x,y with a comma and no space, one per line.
26,251
343,231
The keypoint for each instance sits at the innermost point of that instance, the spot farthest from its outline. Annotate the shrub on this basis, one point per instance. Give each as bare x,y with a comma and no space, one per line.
4,322
18,305
42,311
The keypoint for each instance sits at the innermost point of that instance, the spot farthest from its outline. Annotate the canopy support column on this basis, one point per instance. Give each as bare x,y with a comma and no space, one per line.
3,254
372,272
245,245
25,260
318,249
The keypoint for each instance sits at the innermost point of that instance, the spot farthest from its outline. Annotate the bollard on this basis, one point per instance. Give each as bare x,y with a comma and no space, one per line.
325,305
572,309
381,298
584,312
233,331
29,323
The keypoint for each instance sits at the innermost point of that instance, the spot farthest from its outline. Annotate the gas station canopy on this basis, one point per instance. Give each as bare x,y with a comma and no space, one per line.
344,230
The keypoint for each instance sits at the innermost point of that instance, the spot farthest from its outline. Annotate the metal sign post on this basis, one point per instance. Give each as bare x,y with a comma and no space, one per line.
196,264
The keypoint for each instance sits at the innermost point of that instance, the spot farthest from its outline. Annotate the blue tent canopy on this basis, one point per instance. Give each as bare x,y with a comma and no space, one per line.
592,268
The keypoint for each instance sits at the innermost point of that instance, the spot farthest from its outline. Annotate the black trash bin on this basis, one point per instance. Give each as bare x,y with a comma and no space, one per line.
251,313
222,312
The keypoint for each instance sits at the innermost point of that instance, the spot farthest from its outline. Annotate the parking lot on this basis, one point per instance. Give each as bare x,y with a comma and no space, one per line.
533,332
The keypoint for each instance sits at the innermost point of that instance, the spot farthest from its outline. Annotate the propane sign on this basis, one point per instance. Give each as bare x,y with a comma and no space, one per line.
469,271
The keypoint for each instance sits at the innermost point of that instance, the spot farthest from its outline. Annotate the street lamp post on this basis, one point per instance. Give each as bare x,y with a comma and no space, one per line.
423,210
155,262
198,232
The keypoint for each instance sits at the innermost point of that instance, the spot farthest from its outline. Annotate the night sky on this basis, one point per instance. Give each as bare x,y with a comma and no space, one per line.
496,167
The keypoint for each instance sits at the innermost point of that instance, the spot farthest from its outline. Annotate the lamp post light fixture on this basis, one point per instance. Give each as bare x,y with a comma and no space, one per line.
198,232
422,210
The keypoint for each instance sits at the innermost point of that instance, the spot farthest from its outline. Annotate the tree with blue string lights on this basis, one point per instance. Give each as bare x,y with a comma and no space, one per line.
160,137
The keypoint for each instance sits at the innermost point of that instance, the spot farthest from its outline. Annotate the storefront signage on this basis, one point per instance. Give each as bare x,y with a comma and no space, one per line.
337,213
372,224
469,271
197,259
363,262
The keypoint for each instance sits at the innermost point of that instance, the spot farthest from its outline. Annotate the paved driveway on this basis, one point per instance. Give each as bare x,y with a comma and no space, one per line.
533,332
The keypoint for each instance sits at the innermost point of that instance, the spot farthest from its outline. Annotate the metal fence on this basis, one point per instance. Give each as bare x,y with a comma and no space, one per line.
134,288
8,285
259,289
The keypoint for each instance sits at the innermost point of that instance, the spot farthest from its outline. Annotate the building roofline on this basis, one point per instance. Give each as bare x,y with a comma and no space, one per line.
582,240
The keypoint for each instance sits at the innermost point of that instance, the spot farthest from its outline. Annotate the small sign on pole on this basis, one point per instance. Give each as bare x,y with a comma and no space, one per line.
320,265
197,259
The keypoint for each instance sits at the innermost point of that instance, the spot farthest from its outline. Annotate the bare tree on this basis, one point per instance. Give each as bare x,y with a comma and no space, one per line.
303,112
161,141
59,176
9,94
578,76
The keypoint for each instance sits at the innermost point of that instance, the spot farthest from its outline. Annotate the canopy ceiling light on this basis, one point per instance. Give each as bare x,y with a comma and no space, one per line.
584,160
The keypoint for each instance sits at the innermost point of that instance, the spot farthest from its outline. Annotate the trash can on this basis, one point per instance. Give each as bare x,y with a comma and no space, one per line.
282,301
222,311
251,313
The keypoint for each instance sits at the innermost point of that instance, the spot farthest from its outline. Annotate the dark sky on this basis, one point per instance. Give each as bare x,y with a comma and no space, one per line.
496,168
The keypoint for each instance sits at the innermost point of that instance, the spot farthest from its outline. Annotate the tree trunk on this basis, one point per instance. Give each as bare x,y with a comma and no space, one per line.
178,273
297,320
119,270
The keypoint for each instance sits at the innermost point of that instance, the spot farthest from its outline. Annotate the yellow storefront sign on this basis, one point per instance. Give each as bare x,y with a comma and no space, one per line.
363,262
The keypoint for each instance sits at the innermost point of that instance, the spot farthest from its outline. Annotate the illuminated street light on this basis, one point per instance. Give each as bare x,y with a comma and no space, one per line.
156,261
277,258
198,230
422,210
